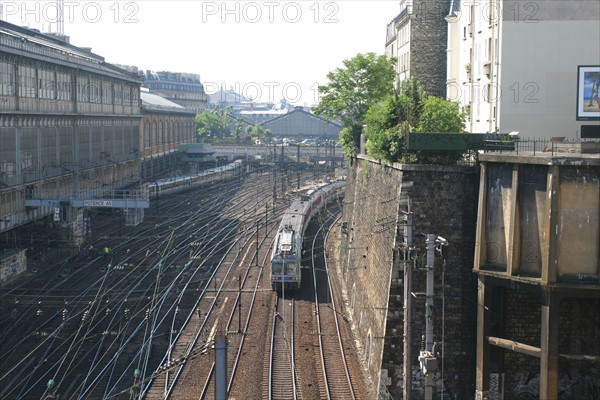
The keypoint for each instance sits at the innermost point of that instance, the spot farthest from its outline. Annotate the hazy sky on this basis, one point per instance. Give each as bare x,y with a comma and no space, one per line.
265,49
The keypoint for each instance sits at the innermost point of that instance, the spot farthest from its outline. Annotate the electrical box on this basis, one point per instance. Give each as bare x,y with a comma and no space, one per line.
428,362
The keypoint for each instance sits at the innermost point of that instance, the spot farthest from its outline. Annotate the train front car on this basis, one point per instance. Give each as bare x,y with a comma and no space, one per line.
286,271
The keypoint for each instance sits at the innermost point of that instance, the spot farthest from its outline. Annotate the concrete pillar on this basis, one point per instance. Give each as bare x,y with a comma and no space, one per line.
72,228
549,346
220,367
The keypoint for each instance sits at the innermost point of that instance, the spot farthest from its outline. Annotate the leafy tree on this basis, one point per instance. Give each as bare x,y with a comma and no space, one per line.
385,128
239,128
411,100
411,110
259,132
218,124
389,120
352,90
209,125
440,115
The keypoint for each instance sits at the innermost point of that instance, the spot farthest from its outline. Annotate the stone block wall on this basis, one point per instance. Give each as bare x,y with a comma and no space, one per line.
521,320
370,213
444,201
429,41
579,322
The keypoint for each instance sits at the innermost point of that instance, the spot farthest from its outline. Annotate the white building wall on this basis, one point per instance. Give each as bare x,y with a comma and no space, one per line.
523,58
472,70
539,75
403,45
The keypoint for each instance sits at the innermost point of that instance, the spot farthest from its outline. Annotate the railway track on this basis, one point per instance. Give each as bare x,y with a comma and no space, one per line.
336,382
282,369
236,298
312,364
141,322
91,314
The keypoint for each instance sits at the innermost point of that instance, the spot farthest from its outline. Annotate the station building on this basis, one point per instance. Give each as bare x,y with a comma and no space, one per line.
69,128
165,126
300,123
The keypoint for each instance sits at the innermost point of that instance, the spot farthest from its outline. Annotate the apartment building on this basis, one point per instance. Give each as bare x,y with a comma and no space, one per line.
417,38
516,66
181,88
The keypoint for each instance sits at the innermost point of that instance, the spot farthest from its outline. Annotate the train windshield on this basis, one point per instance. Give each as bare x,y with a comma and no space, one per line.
290,268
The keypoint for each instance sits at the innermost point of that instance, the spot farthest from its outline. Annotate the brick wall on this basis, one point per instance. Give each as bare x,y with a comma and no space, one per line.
579,321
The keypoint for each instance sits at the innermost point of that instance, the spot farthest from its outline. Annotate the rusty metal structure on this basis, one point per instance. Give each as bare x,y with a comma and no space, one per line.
537,261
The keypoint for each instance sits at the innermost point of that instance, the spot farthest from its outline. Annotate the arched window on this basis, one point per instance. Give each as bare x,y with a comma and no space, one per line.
153,137
146,134
161,132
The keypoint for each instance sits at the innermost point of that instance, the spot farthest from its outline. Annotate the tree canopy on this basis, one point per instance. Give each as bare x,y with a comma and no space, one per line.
259,132
440,115
410,110
363,81
219,124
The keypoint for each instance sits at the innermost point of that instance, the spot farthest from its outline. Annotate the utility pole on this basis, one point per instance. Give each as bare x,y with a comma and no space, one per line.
257,228
427,358
430,241
274,185
298,165
407,362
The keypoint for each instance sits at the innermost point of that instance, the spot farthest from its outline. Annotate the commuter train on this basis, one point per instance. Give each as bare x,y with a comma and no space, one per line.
286,258
180,183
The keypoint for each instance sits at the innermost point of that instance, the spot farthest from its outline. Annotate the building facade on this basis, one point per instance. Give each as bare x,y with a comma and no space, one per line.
417,38
165,126
513,66
69,123
181,88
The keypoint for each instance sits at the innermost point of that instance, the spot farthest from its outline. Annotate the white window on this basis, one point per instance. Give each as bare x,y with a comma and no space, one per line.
46,84
63,86
27,82
7,79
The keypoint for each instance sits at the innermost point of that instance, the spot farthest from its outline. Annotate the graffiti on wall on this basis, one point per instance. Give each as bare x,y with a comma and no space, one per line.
570,385
527,385
12,266
442,388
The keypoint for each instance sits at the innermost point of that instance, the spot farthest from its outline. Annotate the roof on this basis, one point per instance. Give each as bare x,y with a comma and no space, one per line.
169,76
33,44
454,8
151,101
286,241
301,110
227,96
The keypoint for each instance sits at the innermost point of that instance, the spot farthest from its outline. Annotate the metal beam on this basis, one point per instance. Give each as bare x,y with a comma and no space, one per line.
79,203
514,346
